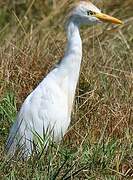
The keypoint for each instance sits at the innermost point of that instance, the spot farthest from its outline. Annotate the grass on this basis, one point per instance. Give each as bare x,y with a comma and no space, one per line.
99,142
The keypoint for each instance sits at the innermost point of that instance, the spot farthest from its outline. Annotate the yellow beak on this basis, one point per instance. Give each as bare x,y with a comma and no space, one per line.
107,18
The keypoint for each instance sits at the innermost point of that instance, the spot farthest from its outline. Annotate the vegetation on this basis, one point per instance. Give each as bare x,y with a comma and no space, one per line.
99,142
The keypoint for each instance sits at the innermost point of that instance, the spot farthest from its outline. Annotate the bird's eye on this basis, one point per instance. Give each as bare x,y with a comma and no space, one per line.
90,13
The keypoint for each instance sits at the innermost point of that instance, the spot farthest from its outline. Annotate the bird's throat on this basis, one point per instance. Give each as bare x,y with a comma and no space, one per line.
74,44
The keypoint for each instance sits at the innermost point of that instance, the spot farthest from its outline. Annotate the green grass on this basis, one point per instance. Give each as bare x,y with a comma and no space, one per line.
99,142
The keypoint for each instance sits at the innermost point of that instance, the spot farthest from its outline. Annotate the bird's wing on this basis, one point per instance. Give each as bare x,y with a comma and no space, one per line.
46,106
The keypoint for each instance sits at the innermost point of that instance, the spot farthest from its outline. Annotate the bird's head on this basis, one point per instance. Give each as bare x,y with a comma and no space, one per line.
85,12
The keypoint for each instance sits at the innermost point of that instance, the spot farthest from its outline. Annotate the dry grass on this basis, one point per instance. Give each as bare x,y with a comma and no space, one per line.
99,142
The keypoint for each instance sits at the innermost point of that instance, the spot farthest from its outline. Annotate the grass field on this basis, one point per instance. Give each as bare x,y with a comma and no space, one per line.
99,142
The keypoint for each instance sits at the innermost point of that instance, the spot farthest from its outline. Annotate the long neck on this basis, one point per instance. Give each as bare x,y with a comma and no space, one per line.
74,45
73,53
70,64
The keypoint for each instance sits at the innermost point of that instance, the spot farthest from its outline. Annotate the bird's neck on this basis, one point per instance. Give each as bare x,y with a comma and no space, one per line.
74,44
71,62
73,53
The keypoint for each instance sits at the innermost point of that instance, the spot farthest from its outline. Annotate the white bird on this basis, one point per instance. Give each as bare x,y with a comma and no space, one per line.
48,108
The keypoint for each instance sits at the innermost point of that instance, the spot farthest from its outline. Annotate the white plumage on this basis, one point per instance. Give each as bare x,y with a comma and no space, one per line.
49,106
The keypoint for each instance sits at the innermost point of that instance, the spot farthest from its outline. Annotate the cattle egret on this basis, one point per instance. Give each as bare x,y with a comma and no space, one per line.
49,106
